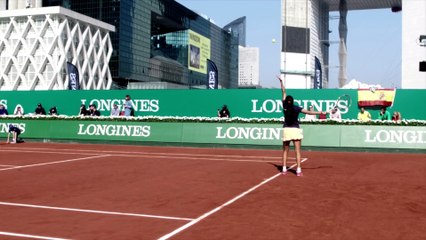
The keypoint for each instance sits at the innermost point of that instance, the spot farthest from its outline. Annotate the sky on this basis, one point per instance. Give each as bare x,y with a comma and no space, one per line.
373,43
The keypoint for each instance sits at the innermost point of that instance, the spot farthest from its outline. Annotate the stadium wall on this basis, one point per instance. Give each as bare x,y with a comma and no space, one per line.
386,137
244,103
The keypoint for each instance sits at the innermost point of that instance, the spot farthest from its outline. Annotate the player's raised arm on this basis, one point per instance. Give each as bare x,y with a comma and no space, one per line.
313,112
282,87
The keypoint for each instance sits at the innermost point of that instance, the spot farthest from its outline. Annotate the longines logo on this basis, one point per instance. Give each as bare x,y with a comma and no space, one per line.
114,130
254,133
394,136
274,105
139,105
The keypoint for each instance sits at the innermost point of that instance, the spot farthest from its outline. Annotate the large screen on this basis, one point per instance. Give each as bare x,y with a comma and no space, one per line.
198,52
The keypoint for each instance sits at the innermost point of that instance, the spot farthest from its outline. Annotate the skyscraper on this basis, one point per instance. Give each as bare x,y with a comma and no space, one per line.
152,45
248,71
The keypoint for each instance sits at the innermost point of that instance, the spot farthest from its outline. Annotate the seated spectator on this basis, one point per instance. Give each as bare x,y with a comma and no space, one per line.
224,112
310,117
335,114
93,111
83,111
3,110
384,114
53,111
40,110
364,115
396,116
115,111
18,111
323,116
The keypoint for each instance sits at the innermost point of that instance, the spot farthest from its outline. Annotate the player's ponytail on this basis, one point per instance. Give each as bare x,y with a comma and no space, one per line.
289,112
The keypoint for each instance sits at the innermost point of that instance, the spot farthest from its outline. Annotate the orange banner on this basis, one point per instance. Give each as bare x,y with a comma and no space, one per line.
377,97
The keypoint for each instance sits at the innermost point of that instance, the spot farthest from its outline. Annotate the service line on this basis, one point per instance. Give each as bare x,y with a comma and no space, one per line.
94,211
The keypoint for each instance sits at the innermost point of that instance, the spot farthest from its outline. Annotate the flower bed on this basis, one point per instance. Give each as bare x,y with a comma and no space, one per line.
411,122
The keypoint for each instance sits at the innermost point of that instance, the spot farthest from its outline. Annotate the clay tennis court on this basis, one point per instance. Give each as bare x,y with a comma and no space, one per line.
93,191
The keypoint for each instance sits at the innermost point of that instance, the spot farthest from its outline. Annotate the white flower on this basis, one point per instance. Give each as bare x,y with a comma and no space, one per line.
403,122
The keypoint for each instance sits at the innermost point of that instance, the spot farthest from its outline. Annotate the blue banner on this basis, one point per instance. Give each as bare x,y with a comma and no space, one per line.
212,75
73,77
318,74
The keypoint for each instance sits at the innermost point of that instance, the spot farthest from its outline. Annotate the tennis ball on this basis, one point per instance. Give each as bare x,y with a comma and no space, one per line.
273,40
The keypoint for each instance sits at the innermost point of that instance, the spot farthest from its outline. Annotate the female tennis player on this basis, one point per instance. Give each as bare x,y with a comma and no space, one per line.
292,131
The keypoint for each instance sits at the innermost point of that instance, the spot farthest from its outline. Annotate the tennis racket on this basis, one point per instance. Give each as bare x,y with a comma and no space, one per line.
343,103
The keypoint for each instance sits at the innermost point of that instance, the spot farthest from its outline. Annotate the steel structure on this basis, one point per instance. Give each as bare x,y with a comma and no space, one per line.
37,43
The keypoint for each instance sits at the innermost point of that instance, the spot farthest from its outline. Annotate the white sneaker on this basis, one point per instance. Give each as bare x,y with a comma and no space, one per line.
284,171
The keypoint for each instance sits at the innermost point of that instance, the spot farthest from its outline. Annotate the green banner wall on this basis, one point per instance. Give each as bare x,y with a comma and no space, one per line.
245,103
220,133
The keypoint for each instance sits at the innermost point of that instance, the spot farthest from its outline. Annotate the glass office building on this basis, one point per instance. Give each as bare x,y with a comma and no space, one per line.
151,43
238,28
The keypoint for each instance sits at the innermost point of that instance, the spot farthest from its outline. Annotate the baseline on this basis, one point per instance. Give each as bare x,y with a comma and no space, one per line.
186,156
55,162
51,151
205,215
87,151
30,236
191,157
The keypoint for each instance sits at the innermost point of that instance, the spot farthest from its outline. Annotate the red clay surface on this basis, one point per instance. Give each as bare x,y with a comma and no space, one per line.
153,191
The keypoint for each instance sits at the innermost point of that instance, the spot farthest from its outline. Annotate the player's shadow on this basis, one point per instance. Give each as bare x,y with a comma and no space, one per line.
278,167
293,170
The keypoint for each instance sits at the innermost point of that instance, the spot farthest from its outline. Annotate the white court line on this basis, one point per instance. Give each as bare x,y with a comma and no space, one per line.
180,229
224,159
74,151
52,151
199,155
7,165
51,163
94,211
207,157
29,236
